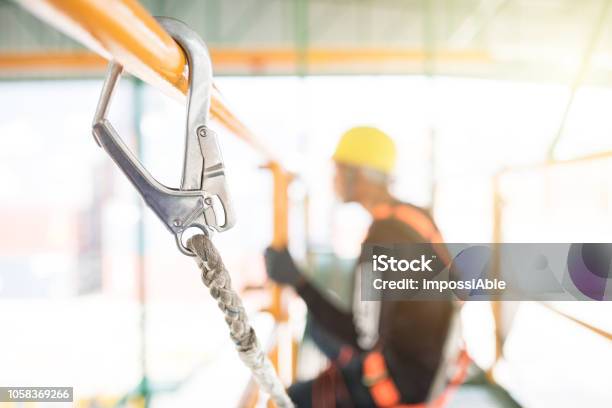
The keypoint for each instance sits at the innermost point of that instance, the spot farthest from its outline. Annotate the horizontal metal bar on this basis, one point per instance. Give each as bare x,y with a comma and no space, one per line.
269,60
25,63
547,164
591,328
121,30
124,31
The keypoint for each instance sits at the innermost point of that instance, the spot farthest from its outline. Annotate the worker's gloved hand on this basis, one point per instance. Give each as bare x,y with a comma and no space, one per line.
281,268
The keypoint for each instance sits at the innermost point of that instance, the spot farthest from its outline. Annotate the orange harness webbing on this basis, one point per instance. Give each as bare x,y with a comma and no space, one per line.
411,217
416,220
385,394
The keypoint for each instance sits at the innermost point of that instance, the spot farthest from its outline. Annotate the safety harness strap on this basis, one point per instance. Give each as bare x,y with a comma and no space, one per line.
376,377
385,393
410,216
416,220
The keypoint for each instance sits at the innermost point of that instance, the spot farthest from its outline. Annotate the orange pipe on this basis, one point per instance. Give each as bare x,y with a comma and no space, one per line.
49,62
323,56
280,235
124,31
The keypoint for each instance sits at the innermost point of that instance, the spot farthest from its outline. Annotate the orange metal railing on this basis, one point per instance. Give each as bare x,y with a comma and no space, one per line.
260,60
124,31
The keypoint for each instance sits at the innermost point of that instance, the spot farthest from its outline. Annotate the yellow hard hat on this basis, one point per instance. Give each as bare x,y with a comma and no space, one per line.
366,147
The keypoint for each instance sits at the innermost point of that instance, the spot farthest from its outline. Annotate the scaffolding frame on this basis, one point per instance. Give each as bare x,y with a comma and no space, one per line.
498,237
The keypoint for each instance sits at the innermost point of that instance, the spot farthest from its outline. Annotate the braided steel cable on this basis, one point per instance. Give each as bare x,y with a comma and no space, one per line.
217,279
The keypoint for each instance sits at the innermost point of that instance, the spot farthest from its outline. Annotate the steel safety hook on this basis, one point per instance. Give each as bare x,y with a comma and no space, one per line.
203,193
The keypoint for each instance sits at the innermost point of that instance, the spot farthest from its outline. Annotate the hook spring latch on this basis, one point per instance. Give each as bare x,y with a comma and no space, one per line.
203,193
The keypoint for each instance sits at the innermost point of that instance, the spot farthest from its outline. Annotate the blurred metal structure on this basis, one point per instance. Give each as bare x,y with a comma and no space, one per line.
581,72
501,329
504,39
593,329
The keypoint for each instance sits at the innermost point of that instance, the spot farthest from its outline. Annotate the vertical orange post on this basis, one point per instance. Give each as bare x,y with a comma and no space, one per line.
281,206
280,237
496,305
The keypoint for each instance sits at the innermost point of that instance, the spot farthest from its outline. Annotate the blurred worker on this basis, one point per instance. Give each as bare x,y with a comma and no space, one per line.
392,350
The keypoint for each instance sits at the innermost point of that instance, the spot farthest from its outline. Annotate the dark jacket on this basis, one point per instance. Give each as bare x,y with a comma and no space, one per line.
411,333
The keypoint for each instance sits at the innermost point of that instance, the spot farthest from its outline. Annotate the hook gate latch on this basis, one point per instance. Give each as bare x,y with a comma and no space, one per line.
203,182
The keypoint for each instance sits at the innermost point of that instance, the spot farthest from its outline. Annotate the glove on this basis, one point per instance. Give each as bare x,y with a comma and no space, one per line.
281,268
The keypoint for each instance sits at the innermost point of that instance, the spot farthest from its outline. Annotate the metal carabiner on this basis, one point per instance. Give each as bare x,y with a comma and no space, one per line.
203,180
